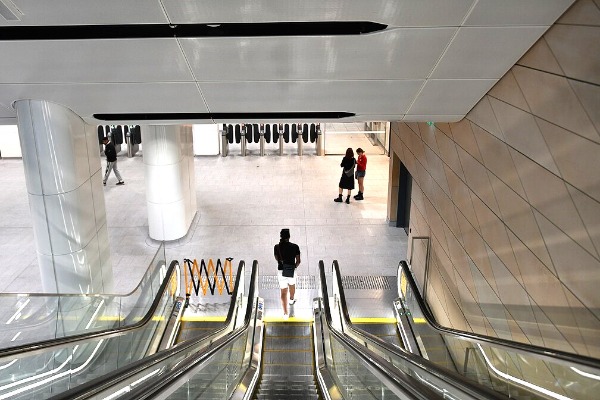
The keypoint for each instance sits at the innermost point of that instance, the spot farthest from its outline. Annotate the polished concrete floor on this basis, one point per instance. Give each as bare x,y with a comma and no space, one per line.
243,202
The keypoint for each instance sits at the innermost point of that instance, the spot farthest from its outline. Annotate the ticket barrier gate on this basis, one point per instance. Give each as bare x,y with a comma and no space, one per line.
116,133
133,137
265,133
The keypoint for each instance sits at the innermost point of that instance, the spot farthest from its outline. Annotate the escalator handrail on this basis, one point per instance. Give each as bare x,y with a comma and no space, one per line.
542,352
158,383
32,348
453,378
103,382
405,382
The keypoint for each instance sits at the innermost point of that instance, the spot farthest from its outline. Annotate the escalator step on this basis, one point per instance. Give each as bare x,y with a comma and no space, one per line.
287,394
288,329
287,343
296,379
288,370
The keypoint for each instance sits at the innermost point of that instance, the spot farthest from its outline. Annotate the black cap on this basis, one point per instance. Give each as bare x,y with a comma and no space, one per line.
284,234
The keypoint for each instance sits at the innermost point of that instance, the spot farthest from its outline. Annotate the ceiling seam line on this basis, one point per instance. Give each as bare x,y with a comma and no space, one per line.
196,82
468,13
164,10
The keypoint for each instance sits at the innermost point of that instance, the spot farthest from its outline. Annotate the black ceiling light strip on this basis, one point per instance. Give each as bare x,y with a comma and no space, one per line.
222,116
74,32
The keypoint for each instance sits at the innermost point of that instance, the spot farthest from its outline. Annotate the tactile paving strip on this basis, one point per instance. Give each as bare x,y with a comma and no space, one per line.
348,282
302,282
367,282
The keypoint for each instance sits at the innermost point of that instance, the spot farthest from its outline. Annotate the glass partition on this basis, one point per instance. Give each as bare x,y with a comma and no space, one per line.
356,381
49,371
512,371
29,318
217,362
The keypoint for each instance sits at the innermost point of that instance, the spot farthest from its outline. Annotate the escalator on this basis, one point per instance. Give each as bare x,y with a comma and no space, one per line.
327,358
254,359
44,369
288,364
507,368
384,330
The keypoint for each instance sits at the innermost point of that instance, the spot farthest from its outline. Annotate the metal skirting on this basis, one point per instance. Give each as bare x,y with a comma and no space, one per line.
348,282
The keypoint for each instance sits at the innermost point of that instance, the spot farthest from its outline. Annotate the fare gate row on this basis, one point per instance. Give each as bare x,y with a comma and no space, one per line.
119,134
264,134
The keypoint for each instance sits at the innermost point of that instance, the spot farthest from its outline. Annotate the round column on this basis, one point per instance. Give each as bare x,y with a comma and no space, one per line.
170,180
64,182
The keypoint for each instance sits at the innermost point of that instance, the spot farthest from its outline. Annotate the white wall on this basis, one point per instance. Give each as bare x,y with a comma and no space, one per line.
206,139
9,141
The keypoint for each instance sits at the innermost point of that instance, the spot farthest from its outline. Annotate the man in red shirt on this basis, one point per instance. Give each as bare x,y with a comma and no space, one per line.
361,169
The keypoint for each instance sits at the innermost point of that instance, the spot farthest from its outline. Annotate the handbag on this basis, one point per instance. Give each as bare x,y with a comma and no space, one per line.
350,172
288,269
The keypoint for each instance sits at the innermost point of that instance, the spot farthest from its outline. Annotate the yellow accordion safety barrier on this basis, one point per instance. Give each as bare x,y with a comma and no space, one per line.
208,277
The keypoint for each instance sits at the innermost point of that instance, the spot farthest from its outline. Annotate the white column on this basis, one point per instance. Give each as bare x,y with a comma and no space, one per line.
66,198
170,180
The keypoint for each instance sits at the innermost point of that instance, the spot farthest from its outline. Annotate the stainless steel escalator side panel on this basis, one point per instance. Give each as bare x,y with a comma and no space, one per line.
253,356
404,327
323,357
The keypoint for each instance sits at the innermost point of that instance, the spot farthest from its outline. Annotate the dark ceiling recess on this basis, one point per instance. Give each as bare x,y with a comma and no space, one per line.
223,116
73,32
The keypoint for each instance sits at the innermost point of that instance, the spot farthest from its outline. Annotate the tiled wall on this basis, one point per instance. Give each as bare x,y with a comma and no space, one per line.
510,197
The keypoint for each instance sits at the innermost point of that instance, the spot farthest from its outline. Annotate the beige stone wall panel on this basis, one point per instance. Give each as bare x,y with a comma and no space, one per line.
552,98
510,197
464,138
478,180
577,50
496,157
540,57
507,90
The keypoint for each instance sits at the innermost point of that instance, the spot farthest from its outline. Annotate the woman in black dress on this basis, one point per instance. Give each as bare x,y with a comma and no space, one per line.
347,180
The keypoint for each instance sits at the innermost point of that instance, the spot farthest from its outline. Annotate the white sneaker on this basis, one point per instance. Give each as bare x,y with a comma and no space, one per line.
285,317
292,301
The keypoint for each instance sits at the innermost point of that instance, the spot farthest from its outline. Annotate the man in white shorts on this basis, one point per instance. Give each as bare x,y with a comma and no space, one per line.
286,253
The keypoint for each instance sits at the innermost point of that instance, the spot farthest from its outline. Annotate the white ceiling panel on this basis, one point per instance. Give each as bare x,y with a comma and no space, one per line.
88,99
517,12
449,97
480,53
93,61
370,97
380,74
87,12
391,12
377,56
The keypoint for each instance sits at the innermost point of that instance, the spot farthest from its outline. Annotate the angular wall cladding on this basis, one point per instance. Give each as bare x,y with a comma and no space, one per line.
510,197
